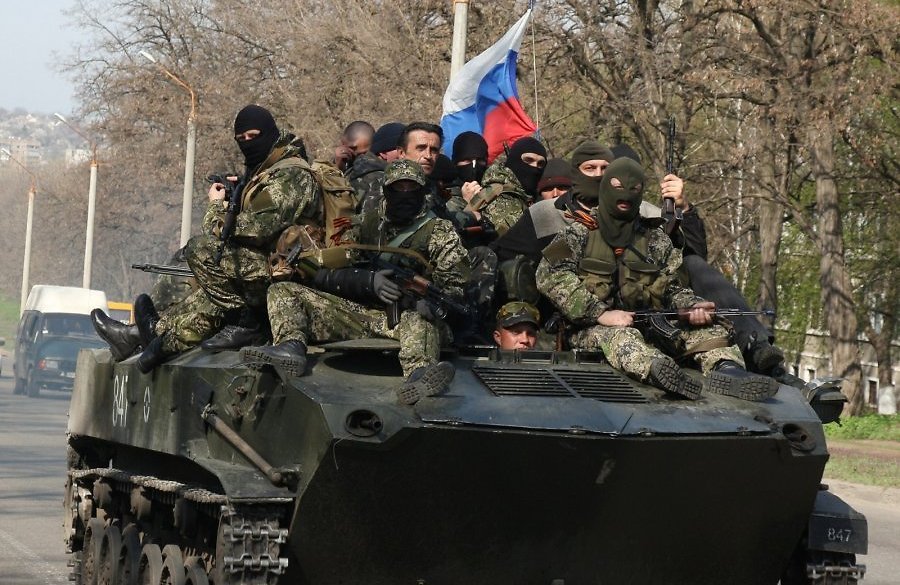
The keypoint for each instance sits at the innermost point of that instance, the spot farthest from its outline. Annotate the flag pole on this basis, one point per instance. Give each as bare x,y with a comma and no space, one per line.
460,24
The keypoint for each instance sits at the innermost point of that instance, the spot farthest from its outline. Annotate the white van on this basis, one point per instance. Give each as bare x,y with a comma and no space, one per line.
54,327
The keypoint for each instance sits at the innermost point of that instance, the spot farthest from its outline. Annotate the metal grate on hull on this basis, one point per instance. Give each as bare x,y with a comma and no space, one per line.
602,385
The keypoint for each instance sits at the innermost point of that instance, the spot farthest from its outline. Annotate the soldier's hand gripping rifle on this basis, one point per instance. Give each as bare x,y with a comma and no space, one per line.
420,287
673,215
655,325
683,313
232,208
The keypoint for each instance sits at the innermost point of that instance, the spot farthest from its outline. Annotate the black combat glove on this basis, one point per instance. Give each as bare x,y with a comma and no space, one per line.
423,308
384,288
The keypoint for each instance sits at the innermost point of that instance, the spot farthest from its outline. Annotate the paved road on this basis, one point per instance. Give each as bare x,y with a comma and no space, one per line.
32,480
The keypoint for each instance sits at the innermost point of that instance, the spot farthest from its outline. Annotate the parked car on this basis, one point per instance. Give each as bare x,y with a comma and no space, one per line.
54,327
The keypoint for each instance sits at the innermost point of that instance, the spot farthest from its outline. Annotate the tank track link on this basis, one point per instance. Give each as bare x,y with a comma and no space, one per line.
843,573
247,546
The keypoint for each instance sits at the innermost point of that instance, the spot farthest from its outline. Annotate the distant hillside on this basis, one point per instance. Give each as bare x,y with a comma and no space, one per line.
53,136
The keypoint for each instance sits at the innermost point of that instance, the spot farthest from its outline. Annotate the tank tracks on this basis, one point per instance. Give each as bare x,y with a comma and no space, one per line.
128,529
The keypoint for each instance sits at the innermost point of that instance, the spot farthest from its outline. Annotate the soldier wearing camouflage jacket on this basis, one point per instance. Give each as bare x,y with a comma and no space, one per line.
510,186
597,278
350,303
280,190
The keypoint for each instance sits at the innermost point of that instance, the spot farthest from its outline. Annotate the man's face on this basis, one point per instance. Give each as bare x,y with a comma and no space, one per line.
534,159
358,144
518,336
593,168
422,147
552,192
390,155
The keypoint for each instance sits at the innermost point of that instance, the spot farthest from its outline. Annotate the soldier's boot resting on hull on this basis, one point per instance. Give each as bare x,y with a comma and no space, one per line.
146,317
152,356
666,375
123,339
731,379
426,381
289,356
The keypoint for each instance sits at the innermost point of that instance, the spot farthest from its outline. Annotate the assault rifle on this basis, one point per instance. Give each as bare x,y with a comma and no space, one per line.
164,269
420,287
649,314
673,215
232,208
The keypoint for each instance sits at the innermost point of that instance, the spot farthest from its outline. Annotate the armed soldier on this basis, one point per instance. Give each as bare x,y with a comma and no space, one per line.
349,303
598,277
279,190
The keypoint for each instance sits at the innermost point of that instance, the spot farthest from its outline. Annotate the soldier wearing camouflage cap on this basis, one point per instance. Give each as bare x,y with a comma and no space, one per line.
350,303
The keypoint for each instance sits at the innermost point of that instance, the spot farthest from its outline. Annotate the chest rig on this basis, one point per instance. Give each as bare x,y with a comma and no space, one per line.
625,280
407,249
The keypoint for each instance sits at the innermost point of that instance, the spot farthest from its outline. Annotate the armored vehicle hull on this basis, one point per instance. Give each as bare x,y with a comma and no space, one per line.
544,468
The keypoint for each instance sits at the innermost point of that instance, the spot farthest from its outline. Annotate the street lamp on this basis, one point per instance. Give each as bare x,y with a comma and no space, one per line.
187,197
26,263
92,204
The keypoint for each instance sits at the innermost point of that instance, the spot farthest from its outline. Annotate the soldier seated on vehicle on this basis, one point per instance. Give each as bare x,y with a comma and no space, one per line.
598,278
517,326
350,303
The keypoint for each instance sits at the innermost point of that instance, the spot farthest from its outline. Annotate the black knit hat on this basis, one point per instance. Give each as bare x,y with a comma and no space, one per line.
623,150
556,174
469,146
444,169
590,150
387,137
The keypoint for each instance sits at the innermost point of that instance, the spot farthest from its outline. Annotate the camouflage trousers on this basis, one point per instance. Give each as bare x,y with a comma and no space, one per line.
300,313
627,350
240,279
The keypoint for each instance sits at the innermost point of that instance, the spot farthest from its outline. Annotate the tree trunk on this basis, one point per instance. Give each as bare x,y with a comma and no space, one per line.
770,229
837,296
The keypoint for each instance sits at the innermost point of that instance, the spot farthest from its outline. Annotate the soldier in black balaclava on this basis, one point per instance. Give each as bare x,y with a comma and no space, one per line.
510,186
256,133
470,152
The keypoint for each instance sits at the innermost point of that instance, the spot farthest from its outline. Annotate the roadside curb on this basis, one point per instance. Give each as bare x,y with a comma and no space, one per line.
870,493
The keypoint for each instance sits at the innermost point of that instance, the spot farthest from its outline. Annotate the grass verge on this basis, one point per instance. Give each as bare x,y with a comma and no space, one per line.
9,318
865,449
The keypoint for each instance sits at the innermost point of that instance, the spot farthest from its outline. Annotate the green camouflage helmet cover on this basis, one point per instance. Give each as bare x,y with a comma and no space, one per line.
399,170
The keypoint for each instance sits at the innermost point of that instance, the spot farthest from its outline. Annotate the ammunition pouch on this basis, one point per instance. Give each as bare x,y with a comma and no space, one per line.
597,276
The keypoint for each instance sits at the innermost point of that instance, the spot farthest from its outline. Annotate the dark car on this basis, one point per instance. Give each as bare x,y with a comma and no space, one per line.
47,350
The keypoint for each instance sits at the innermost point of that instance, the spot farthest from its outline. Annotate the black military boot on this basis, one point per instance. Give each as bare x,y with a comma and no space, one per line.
123,339
247,331
432,380
146,317
764,358
289,356
731,379
666,375
152,356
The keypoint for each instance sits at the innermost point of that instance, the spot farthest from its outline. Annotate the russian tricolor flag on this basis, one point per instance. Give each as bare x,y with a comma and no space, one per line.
483,97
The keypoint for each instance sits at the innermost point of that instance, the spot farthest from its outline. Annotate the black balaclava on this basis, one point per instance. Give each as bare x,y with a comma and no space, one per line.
617,226
401,207
528,175
470,146
585,188
255,151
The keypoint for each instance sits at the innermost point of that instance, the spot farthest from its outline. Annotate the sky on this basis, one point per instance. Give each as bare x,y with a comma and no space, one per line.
32,30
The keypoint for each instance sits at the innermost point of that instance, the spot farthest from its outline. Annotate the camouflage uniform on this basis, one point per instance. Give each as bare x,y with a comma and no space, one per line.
298,312
168,289
273,199
561,278
502,201
366,175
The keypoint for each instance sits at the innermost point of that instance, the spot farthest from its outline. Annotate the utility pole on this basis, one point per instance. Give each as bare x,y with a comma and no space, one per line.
26,263
460,25
92,206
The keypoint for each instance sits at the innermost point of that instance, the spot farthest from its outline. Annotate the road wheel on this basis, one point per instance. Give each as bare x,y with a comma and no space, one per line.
93,540
195,572
151,565
107,563
31,387
130,557
173,566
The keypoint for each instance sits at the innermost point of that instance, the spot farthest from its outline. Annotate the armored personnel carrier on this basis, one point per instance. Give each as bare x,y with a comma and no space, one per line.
535,468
